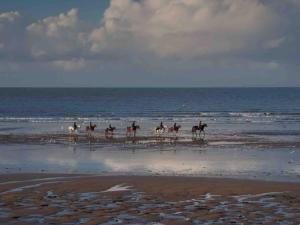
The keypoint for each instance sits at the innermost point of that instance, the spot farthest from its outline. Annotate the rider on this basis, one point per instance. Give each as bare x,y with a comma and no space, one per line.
91,124
200,123
161,125
75,126
110,127
175,126
133,125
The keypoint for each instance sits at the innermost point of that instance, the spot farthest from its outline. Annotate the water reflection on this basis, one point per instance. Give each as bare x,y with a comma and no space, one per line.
275,164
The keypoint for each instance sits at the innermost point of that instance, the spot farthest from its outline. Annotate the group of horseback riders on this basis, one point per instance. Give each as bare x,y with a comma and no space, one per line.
133,128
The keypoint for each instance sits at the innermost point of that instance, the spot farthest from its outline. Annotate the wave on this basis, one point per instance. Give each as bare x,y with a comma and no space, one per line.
248,114
169,116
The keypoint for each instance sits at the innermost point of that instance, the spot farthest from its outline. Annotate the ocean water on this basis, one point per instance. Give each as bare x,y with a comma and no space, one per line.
263,113
257,111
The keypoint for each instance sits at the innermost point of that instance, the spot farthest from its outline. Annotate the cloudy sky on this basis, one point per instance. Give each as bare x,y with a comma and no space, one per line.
150,43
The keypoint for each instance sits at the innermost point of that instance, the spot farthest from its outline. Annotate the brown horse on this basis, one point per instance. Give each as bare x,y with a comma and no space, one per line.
109,130
199,128
175,128
132,130
90,128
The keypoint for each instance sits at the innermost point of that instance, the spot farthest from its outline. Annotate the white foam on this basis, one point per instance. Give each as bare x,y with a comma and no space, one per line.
45,179
119,187
19,189
241,198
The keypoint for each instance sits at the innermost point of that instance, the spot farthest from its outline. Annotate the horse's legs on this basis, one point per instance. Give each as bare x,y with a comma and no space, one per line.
203,136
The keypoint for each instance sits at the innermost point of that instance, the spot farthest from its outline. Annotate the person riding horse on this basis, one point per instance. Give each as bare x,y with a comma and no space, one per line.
109,131
175,128
75,126
91,127
199,128
161,125
133,126
132,129
161,128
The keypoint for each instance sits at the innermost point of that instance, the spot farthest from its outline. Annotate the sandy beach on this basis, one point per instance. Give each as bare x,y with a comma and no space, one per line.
94,199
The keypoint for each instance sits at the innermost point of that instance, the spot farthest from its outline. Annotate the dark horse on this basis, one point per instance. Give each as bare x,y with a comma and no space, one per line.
132,129
91,127
175,128
199,128
109,130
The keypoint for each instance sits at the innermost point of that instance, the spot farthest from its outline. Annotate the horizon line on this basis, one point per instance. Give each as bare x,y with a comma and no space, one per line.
152,87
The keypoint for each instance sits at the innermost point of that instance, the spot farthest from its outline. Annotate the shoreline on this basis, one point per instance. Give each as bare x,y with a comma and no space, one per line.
10,176
28,177
146,200
165,139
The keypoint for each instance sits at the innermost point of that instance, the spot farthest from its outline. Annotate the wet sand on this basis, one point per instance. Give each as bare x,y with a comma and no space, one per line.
92,199
60,138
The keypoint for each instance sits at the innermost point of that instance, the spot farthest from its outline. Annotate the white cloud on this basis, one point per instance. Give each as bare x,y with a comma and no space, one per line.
70,65
9,16
53,26
57,36
182,28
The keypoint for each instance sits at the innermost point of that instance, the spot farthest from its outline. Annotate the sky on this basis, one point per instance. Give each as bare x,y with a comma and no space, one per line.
149,43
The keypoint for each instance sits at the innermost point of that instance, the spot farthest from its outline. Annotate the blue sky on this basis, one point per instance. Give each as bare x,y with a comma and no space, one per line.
90,10
149,43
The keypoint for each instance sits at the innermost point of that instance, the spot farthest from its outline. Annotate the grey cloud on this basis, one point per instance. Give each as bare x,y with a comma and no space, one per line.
260,34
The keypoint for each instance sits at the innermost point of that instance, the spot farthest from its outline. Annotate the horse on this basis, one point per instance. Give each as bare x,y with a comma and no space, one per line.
200,128
132,129
174,129
90,128
109,130
161,129
73,129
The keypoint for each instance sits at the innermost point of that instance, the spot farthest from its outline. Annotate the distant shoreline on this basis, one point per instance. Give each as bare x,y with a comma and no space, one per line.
212,87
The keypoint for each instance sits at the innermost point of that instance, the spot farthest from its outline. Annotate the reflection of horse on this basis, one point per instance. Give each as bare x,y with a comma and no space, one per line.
73,129
199,128
90,128
175,128
132,130
109,130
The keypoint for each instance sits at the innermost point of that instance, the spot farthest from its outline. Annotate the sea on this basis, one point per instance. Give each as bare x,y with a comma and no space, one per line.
263,113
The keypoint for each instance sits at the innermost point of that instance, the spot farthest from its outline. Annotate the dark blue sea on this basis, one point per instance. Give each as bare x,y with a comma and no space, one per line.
271,111
146,102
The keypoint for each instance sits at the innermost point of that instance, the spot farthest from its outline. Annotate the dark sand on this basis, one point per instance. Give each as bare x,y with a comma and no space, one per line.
88,199
96,138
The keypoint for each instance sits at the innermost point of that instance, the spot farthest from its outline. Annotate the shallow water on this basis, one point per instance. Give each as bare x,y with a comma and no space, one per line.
236,162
